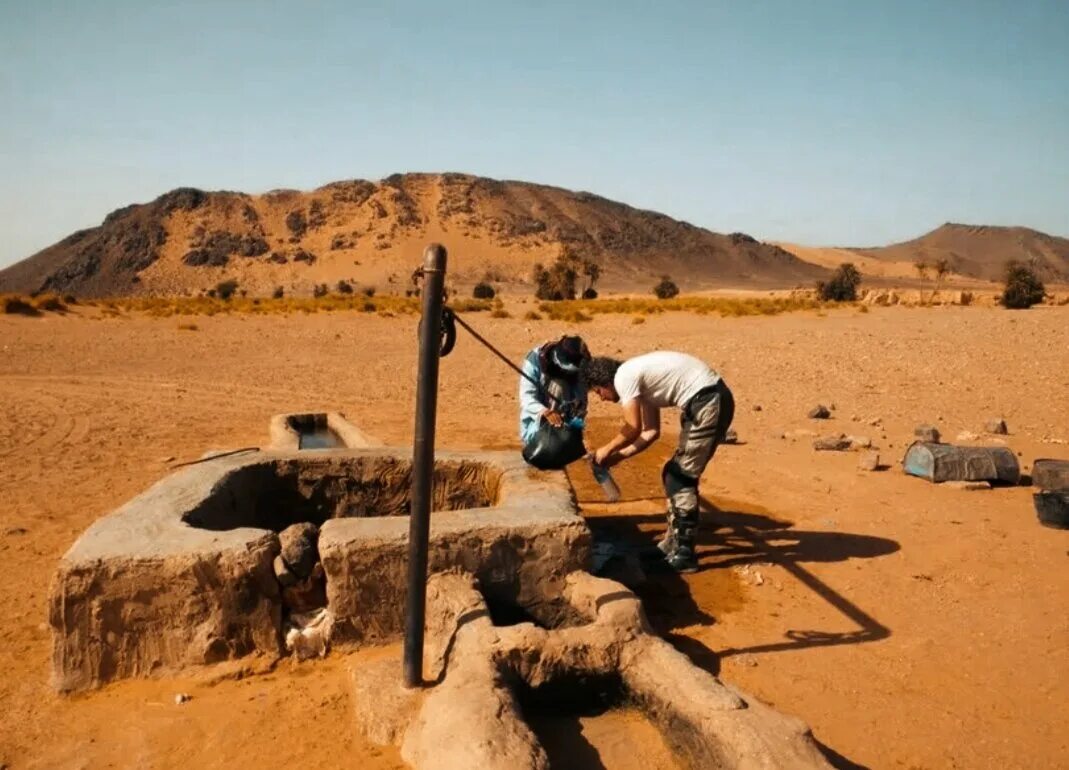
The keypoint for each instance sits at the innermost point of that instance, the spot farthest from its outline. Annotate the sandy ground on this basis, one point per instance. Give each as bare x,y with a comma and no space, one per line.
912,626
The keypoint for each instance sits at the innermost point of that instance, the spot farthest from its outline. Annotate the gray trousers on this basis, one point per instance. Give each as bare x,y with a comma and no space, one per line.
703,424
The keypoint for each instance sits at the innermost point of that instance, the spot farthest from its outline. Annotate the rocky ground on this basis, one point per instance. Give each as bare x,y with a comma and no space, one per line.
912,626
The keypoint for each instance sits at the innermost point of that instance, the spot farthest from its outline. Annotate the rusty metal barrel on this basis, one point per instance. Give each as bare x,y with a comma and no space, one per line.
946,462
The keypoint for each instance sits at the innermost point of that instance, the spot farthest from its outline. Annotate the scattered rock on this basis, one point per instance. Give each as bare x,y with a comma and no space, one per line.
307,595
875,421
859,442
996,426
819,412
757,407
181,698
928,433
968,486
870,461
838,443
967,436
16,531
282,572
731,437
308,634
777,434
299,549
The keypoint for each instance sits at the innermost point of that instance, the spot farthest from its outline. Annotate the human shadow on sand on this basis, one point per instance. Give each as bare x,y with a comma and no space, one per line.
732,538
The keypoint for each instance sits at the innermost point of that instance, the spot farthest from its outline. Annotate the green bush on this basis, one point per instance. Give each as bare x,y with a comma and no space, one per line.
843,285
226,289
1023,287
666,289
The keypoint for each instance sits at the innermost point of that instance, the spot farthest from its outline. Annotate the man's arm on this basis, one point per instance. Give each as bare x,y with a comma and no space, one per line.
630,432
651,431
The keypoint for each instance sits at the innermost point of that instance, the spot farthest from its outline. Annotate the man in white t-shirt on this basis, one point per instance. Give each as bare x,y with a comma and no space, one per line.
645,385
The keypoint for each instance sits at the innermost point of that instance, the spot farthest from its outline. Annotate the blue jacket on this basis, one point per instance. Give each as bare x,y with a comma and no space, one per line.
568,398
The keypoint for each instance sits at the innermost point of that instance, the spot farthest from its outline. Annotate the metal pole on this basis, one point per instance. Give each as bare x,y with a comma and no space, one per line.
434,262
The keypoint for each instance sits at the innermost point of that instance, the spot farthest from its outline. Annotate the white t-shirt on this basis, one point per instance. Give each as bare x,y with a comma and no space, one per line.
663,378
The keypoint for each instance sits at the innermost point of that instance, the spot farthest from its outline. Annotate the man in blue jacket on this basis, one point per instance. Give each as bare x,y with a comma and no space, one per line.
560,397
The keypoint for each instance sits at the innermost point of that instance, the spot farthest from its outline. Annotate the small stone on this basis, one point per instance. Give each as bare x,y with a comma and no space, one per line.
181,698
777,434
838,443
299,548
869,461
819,412
731,437
927,433
282,572
967,436
757,407
167,459
875,421
996,426
859,442
967,486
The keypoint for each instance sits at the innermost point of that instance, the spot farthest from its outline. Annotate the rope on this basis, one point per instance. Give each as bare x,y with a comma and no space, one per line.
216,457
494,350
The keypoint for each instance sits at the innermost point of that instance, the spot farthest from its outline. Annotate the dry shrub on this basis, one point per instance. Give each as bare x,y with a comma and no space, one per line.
842,286
1023,288
723,306
500,312
470,305
165,307
49,302
639,319
531,315
188,327
666,289
14,304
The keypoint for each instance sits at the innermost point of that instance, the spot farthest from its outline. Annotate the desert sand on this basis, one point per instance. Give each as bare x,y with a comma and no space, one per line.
912,626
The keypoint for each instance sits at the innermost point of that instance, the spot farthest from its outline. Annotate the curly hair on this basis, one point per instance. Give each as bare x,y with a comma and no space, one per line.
600,372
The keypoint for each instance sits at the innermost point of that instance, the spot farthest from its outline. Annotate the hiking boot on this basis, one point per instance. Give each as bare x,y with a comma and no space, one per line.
682,560
667,543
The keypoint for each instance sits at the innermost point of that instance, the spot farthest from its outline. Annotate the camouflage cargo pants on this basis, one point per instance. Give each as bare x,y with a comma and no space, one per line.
703,424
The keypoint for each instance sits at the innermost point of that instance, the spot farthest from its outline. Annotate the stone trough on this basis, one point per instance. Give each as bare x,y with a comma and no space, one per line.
183,574
473,715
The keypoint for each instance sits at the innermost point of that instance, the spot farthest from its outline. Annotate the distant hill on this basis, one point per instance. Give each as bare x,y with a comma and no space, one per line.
981,251
373,233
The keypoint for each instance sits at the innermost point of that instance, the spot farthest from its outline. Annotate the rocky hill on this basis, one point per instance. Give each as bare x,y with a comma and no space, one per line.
981,251
373,233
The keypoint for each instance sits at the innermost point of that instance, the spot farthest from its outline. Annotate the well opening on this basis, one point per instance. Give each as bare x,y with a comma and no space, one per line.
277,494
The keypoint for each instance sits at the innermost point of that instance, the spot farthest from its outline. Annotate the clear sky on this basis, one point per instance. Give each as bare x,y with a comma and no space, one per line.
850,122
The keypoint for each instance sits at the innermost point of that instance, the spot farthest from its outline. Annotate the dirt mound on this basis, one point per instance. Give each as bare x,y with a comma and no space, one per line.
981,251
365,232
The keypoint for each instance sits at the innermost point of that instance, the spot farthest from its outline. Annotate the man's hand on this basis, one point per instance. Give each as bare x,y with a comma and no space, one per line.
553,418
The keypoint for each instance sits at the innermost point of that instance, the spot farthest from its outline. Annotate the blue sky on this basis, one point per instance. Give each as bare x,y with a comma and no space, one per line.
824,122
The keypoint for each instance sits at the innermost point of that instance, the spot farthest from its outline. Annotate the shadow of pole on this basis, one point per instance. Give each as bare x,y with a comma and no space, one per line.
869,629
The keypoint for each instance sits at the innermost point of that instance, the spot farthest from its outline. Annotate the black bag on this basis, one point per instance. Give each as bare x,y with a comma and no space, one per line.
553,448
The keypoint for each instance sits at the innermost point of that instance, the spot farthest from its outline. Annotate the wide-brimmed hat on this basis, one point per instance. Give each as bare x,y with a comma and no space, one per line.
569,353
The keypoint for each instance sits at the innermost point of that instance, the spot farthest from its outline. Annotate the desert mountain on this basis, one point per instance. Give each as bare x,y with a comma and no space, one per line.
373,233
981,251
